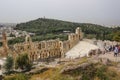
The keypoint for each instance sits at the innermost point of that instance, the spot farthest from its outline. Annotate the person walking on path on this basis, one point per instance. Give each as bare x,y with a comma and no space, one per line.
116,51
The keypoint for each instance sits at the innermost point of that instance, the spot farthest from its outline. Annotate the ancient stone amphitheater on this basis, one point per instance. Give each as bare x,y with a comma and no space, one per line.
43,49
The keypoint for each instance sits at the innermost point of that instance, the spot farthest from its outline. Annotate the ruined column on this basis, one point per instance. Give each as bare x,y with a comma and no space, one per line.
79,33
5,43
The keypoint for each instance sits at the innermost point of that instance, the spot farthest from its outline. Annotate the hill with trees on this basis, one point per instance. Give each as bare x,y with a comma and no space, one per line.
51,28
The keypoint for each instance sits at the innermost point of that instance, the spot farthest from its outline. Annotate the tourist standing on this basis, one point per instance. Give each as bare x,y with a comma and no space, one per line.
110,49
116,50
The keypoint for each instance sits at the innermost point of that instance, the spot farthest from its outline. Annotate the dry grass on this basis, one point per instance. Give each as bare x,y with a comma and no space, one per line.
54,73
111,72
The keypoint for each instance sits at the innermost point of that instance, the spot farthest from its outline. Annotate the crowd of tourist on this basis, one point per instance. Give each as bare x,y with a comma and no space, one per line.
115,49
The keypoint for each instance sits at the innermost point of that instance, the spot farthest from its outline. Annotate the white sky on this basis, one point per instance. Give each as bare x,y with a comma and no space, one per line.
104,12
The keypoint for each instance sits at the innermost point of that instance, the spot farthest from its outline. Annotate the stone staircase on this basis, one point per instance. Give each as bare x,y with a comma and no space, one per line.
80,50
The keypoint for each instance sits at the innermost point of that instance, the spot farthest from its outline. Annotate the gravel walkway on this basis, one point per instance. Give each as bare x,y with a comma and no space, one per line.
110,56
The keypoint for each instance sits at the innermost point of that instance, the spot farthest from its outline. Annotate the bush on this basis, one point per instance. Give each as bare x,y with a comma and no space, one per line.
23,62
9,64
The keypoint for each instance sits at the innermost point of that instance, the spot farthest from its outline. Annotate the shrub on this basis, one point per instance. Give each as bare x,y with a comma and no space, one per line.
9,64
23,62
17,77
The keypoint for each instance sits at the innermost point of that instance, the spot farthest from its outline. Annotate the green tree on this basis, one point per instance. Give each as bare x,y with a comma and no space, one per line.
116,36
23,62
9,64
12,35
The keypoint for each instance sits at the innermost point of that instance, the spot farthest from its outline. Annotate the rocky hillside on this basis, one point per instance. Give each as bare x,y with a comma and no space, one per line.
79,69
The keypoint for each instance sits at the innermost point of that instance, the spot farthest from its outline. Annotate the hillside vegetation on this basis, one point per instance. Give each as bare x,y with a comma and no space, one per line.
93,71
50,29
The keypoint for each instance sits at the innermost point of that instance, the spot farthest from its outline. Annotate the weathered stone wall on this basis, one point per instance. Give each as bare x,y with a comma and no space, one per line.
4,48
46,49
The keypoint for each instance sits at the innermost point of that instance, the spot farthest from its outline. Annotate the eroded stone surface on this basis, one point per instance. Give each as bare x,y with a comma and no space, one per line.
43,49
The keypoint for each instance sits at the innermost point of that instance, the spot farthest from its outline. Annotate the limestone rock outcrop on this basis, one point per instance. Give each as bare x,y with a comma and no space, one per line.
75,67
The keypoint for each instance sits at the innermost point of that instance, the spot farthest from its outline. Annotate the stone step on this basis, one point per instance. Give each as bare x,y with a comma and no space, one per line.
80,50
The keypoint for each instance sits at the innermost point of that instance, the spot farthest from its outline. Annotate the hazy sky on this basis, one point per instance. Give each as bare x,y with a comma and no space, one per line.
104,12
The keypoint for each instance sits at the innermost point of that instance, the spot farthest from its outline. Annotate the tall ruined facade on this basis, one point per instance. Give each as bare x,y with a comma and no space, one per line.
46,49
4,44
73,39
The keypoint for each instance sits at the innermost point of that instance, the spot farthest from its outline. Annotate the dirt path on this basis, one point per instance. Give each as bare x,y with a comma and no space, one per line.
110,56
